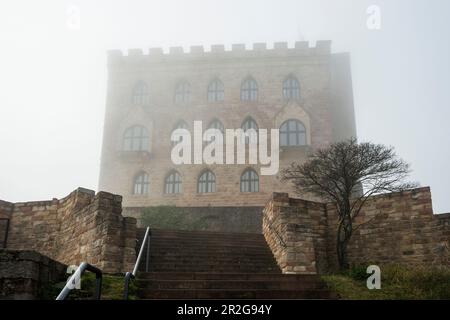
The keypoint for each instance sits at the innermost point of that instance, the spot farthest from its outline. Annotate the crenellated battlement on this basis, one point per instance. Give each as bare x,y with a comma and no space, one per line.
322,47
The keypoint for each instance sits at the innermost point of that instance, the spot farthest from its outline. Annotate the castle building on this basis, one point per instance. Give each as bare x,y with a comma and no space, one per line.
305,92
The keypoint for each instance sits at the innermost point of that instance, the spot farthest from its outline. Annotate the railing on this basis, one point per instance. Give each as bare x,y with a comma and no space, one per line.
76,277
132,275
5,230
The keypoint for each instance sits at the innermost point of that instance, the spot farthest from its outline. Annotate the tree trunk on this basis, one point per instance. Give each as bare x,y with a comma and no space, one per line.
343,237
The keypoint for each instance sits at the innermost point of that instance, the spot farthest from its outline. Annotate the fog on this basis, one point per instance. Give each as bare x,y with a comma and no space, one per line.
53,75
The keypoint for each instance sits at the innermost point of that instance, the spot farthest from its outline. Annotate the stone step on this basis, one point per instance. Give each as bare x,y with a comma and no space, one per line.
216,254
198,251
192,234
212,262
234,294
206,243
209,250
209,262
230,284
213,256
211,268
209,265
226,276
202,235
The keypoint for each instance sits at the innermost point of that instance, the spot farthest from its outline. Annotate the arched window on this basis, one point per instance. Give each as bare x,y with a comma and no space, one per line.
173,183
292,133
206,182
249,123
141,94
136,138
215,91
249,90
216,124
291,88
141,184
249,181
180,125
183,92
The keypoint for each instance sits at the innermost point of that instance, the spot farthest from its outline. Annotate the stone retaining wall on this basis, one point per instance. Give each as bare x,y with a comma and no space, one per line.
23,274
393,228
80,227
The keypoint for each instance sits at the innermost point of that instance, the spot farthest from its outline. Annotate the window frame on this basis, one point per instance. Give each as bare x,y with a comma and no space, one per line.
289,88
249,183
249,90
182,92
212,123
141,94
180,125
136,142
173,183
206,182
141,184
299,132
247,120
215,91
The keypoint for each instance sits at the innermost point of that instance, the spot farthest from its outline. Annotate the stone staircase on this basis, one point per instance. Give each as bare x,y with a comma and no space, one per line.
213,265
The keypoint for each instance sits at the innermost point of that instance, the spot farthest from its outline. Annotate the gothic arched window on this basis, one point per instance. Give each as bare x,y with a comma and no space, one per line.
291,88
292,133
249,123
216,124
215,91
173,183
183,92
136,138
249,181
141,94
180,125
141,184
206,182
249,90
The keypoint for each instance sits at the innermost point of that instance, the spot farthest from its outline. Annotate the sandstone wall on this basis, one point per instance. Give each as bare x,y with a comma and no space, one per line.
6,209
393,228
398,228
80,227
23,274
296,231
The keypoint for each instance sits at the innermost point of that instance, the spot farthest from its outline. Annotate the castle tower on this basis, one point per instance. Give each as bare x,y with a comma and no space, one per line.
306,92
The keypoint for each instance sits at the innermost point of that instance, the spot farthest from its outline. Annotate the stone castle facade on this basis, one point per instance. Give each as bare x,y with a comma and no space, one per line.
306,92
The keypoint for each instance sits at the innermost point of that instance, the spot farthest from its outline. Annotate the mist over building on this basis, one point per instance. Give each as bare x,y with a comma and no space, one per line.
305,92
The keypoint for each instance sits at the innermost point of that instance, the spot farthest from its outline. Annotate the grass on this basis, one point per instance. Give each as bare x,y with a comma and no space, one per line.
112,289
397,283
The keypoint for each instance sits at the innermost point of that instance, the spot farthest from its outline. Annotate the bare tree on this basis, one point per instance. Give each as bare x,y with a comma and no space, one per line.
348,173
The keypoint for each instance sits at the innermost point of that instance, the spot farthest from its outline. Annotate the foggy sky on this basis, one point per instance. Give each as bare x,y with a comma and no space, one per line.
53,76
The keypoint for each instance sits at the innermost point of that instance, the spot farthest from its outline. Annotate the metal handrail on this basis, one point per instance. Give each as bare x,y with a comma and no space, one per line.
71,283
132,275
